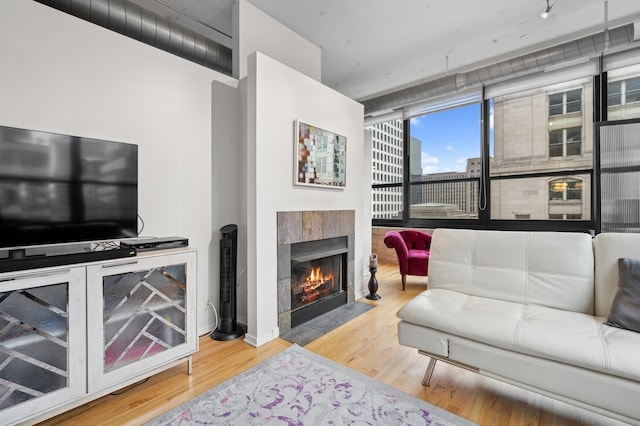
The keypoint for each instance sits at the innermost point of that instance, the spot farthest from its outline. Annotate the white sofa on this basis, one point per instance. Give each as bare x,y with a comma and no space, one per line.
528,308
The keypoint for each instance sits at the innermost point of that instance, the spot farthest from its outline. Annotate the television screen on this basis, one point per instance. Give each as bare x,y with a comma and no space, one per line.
59,189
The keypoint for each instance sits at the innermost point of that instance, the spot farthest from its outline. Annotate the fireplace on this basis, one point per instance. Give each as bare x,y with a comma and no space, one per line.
308,237
318,278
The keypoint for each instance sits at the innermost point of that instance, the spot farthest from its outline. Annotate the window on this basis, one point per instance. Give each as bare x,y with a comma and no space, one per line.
623,94
565,198
565,189
614,93
565,142
556,143
387,169
565,123
444,156
572,141
565,216
535,170
565,103
321,165
619,176
525,161
632,90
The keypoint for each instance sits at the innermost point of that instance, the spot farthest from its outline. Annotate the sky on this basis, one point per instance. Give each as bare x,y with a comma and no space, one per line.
448,138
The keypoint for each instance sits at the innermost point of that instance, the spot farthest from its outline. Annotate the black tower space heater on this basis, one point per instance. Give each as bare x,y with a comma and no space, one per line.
228,328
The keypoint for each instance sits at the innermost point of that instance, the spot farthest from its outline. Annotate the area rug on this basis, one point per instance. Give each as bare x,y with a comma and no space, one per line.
309,331
298,387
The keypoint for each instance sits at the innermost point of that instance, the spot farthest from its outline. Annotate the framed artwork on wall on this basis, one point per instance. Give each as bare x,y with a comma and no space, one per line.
320,157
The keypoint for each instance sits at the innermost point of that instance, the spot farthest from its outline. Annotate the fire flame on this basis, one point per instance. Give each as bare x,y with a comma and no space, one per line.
312,286
315,279
316,274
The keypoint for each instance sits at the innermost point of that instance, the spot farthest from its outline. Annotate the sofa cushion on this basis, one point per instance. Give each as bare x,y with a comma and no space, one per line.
625,309
553,269
570,337
608,247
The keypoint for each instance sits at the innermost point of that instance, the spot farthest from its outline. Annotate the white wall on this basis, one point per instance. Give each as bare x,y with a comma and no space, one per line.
227,182
276,96
255,31
61,74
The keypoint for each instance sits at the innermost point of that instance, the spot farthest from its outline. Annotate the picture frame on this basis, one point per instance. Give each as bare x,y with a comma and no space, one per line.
320,158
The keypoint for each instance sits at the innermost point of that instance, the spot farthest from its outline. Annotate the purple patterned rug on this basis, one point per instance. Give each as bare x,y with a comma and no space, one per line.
298,387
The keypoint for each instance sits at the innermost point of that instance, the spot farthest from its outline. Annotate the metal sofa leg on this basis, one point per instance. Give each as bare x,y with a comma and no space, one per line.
429,372
432,363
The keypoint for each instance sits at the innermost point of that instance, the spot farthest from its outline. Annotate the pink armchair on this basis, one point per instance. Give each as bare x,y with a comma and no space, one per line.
412,249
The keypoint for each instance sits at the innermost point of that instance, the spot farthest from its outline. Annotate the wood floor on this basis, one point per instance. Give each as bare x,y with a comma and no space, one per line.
368,344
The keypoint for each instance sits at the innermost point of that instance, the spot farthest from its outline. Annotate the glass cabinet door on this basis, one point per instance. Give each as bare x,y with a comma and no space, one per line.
145,311
42,341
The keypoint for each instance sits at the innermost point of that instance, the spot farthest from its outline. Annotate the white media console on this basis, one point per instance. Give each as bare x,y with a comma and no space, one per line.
70,334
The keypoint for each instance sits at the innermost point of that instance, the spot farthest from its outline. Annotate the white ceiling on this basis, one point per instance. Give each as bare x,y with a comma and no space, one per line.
370,47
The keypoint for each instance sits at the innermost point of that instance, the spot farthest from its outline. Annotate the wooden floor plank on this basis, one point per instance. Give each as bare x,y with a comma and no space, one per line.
368,344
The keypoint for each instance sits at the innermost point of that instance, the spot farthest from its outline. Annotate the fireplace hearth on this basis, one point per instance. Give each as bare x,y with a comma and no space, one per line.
318,278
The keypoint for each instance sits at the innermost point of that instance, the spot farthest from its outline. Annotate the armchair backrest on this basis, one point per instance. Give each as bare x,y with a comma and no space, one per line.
416,240
403,242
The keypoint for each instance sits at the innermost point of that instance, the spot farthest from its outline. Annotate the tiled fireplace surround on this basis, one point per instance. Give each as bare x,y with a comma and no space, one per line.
302,226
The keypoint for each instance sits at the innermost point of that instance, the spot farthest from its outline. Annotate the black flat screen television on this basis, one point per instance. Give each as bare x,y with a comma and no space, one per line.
60,189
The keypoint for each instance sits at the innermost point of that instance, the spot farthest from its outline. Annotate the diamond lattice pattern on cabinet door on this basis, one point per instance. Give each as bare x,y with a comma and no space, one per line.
33,343
144,314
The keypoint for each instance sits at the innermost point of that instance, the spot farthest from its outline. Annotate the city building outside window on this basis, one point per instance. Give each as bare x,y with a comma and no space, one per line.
387,169
623,93
540,157
541,136
539,152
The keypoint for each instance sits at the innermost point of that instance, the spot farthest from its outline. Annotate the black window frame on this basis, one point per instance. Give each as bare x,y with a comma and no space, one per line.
484,220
